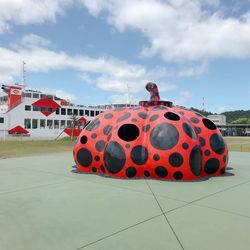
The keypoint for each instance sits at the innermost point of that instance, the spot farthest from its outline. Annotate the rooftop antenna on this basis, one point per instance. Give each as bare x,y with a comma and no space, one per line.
24,74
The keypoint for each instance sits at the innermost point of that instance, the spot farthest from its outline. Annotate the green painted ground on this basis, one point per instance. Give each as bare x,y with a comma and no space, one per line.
43,205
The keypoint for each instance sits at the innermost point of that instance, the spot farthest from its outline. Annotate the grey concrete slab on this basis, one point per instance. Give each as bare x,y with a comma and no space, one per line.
203,228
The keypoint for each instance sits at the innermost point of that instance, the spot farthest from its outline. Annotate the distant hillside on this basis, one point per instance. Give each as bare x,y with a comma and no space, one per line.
203,112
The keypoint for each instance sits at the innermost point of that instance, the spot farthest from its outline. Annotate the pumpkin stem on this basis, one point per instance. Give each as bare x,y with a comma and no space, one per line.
153,90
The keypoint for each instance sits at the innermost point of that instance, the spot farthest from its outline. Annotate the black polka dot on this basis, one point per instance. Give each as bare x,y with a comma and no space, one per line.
128,132
176,159
94,135
189,130
130,172
100,146
143,115
146,173
139,155
195,160
225,158
134,120
185,145
102,168
161,171
84,139
156,157
108,116
202,141
223,170
178,175
164,136
119,109
94,169
209,124
93,125
124,117
154,117
212,166
217,144
107,129
197,130
159,108
127,146
97,158
146,128
194,120
207,152
114,157
84,157
172,116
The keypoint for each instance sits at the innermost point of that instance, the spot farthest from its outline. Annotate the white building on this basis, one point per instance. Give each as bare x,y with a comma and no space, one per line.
218,119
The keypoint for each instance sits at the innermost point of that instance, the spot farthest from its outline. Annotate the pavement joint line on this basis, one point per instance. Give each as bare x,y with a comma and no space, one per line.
33,187
169,224
120,231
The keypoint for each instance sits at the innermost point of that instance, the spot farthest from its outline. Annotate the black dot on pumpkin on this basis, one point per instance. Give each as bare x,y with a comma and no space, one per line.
178,175
195,160
156,157
189,130
94,135
185,145
84,157
209,124
94,169
212,166
127,146
100,146
146,173
124,117
134,120
172,116
114,157
84,139
202,141
197,130
128,132
164,136
97,158
102,168
159,108
107,129
93,125
108,116
146,128
154,117
139,155
176,159
207,152
217,144
119,109
130,172
161,171
223,170
194,120
143,115
225,158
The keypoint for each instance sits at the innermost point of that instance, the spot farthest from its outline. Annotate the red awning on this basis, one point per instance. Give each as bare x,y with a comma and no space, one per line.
18,130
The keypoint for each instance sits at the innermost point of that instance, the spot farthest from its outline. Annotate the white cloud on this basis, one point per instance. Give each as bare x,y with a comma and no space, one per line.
32,40
25,12
184,97
220,110
59,93
179,30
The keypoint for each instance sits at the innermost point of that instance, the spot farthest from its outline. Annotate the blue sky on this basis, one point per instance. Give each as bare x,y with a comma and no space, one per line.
93,51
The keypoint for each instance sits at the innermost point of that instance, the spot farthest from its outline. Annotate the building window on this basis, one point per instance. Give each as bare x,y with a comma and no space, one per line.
63,123
35,95
57,98
27,107
42,96
87,112
56,124
81,112
97,113
27,123
42,123
76,112
43,109
50,109
1,120
63,111
50,124
28,95
35,108
34,123
69,124
92,113
69,112
50,97
57,111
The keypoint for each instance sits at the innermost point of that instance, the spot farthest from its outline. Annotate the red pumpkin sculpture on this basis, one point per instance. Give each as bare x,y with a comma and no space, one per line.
152,140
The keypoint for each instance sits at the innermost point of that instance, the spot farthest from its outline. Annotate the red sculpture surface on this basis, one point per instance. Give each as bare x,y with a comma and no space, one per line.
153,140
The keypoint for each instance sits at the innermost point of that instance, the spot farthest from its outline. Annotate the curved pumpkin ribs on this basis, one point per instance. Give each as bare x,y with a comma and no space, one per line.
153,140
